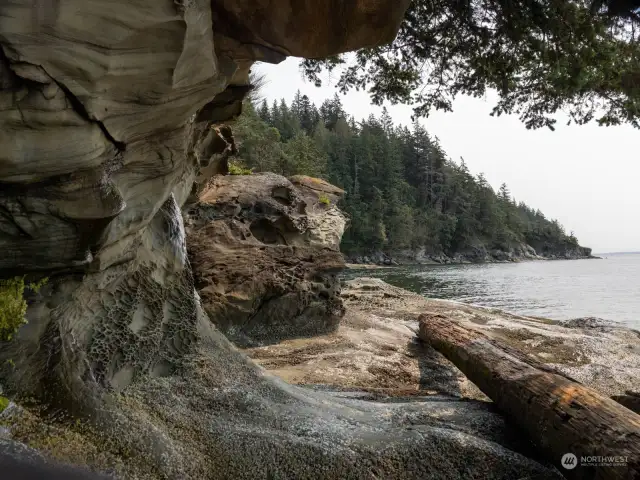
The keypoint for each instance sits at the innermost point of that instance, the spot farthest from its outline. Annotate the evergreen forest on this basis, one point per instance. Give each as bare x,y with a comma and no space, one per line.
402,190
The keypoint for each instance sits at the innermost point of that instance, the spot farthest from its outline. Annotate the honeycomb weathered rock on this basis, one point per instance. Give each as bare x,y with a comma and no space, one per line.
266,256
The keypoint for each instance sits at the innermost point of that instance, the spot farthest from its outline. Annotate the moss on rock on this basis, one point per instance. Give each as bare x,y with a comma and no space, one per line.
4,403
13,306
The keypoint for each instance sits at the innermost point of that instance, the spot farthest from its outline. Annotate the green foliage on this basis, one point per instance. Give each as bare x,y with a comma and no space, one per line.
4,403
304,157
13,307
323,199
541,56
259,144
402,191
264,148
235,168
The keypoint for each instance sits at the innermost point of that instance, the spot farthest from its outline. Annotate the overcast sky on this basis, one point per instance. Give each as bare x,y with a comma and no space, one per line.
588,177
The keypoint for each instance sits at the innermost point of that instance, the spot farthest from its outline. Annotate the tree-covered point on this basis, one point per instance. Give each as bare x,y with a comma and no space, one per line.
402,191
581,57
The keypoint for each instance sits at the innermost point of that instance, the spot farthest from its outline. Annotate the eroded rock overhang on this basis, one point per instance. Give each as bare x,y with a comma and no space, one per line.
98,101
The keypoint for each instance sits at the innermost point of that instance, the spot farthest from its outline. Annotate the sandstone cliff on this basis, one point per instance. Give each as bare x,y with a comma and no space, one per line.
105,123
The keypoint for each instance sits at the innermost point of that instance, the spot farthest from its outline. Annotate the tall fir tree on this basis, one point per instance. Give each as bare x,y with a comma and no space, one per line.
264,113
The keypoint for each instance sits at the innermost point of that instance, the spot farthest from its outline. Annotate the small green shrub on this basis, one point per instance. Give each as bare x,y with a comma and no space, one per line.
323,199
239,169
4,403
13,307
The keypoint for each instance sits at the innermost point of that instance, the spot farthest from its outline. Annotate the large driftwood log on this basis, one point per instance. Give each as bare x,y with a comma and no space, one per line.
560,415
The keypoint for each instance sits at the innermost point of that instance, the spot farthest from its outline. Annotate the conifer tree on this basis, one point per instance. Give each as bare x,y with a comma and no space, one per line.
264,113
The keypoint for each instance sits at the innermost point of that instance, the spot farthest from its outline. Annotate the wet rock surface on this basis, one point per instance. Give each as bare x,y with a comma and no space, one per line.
374,350
206,423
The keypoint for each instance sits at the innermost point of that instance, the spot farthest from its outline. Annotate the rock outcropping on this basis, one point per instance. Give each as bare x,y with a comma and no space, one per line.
106,120
265,255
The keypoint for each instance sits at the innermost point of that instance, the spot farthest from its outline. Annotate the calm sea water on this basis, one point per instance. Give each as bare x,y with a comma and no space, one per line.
559,289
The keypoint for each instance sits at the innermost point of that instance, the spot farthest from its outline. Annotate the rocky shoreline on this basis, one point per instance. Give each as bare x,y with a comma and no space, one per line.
375,348
283,337
478,255
265,254
372,366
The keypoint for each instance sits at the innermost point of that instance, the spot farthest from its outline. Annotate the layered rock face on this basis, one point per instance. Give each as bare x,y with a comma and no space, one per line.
105,122
265,255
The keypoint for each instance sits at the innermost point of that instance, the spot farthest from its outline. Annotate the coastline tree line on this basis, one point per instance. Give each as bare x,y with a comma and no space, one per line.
402,190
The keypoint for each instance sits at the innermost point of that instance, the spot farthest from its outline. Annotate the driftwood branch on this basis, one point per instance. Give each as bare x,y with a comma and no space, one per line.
559,414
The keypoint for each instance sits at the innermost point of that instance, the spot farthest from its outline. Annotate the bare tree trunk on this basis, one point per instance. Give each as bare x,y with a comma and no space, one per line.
560,415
